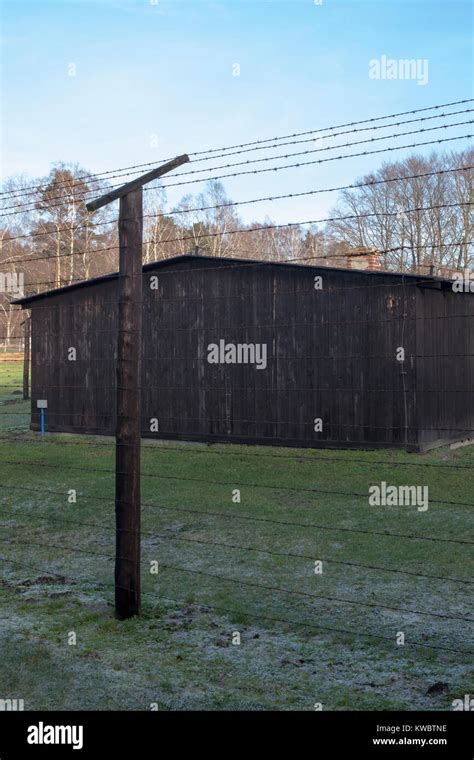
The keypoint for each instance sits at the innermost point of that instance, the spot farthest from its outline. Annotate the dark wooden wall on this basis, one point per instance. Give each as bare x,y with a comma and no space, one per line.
331,354
445,366
80,394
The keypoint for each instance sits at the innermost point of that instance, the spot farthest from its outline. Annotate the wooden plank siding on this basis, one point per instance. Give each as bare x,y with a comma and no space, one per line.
445,367
331,354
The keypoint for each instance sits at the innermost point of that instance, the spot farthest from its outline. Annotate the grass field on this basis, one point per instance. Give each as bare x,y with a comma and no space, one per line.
305,638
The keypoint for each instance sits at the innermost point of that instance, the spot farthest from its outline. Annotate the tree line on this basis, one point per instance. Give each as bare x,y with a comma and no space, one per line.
50,239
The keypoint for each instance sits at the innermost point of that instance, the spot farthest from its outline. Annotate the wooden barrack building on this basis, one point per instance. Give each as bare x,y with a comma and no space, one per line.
264,353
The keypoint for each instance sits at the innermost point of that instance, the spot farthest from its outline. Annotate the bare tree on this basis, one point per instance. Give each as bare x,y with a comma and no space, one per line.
206,219
417,222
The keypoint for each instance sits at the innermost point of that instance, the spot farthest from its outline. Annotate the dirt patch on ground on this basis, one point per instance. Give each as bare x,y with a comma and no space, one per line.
47,580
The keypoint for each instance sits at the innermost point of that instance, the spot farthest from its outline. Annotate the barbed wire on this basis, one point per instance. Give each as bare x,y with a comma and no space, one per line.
148,267
258,550
353,186
150,444
119,172
317,161
347,632
216,483
234,484
259,616
228,204
260,228
274,169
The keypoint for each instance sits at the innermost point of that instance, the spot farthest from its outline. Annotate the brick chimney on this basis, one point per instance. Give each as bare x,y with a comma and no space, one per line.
353,258
363,258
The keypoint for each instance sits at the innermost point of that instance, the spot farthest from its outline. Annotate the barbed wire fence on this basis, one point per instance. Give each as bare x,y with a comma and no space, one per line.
215,572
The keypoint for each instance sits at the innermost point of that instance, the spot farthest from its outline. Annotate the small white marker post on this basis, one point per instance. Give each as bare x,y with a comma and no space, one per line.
42,404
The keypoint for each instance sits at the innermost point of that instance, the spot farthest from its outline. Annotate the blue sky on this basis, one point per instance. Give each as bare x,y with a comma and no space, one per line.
147,73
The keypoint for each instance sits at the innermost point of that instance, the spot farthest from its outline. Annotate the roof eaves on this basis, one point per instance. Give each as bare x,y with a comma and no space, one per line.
222,261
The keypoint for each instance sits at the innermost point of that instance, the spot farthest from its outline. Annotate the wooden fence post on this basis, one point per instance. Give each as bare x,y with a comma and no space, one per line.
128,432
129,355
